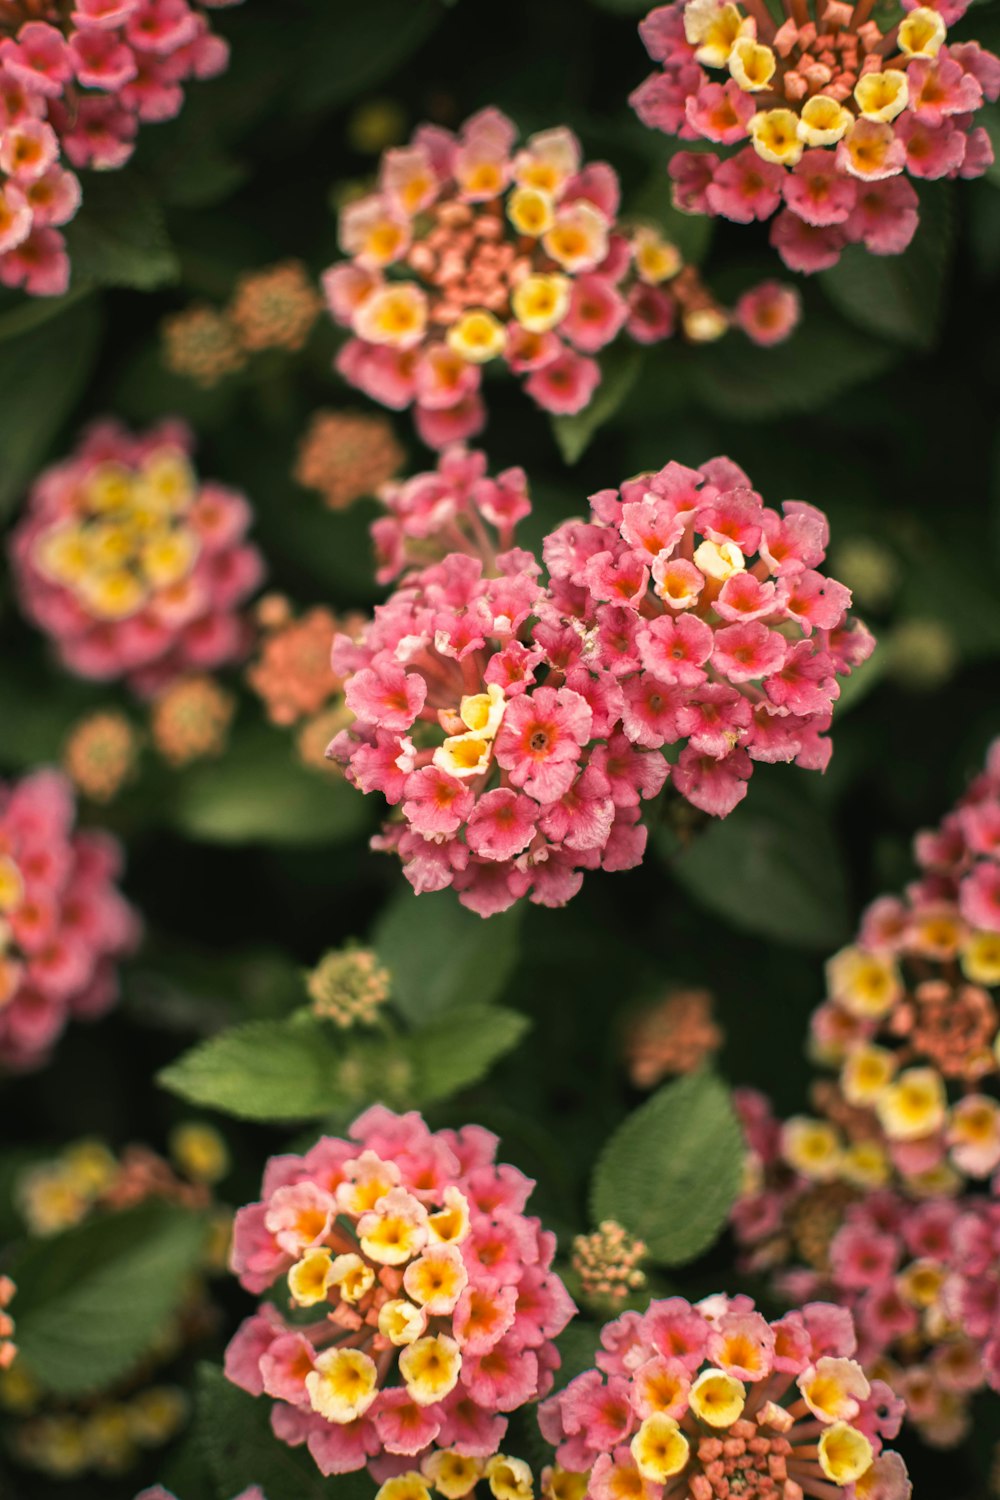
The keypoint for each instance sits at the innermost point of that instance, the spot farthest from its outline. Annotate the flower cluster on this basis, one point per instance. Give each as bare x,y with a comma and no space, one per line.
274,308
63,922
608,1263
132,565
474,250
349,987
920,1275
674,1035
433,1305
827,114
517,725
189,720
347,455
101,754
75,85
107,1436
713,1401
293,677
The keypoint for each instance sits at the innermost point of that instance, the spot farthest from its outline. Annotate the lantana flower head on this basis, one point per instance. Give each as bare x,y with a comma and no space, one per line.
713,1401
820,117
476,249
76,82
424,1304
131,564
63,922
517,724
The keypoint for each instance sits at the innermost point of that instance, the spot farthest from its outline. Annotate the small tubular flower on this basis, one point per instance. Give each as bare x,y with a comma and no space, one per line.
392,1240
870,101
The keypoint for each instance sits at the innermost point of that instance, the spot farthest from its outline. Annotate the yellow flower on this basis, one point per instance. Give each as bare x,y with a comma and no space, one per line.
751,65
483,712
868,145
430,1367
369,1179
109,487
913,1106
113,595
169,556
920,1284
981,958
549,159
11,885
477,336
90,1167
310,1279
833,1388
714,29
844,1453
865,984
156,1413
395,315
882,96
409,1486
464,754
812,1147
437,1279
921,33
659,1448
564,1484
343,1385
717,1398
400,1322
656,259
199,1151
62,553
824,121
865,1164
509,1478
775,136
531,211
351,1277
578,239
719,561
866,1072
540,302
450,1225
452,1474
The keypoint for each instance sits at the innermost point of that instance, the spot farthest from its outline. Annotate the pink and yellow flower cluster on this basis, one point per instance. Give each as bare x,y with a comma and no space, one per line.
424,1306
76,82
712,1401
474,249
63,922
517,723
132,565
828,114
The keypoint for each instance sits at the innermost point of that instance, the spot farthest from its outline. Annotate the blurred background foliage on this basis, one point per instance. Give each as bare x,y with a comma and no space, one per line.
880,409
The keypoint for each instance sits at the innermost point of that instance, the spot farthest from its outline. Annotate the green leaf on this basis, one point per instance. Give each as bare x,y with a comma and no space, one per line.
92,1302
773,867
263,1070
619,371
234,1431
900,297
119,237
459,1048
258,792
43,371
441,955
820,360
672,1170
353,47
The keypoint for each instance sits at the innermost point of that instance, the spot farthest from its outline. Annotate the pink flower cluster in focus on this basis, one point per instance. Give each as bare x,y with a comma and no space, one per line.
517,724
133,566
713,1401
822,117
75,85
63,922
433,1301
474,250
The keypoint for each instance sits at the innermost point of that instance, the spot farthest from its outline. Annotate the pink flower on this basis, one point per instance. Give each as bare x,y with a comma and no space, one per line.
804,247
744,188
502,825
541,738
768,314
815,190
565,385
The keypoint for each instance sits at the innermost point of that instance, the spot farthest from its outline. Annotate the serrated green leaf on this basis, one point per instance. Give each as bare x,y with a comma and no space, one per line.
671,1172
441,955
240,1449
458,1049
900,297
119,237
258,792
91,1302
264,1070
820,360
620,368
43,370
773,867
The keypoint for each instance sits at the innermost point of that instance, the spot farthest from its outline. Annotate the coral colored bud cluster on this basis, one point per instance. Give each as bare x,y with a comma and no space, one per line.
432,1300
674,1035
823,115
63,922
293,677
190,720
712,1401
473,250
133,566
8,1349
608,1263
347,455
101,754
76,82
517,725
274,308
921,1275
